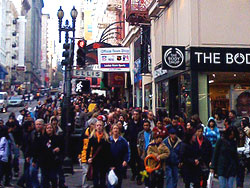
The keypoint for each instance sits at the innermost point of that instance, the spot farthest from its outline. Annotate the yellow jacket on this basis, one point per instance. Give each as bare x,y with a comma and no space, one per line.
83,155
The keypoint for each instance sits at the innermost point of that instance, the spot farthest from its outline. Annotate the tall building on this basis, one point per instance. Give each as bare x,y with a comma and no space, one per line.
33,45
44,51
3,72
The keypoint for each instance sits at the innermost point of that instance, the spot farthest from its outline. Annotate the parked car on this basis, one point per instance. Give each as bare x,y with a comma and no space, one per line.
3,101
16,100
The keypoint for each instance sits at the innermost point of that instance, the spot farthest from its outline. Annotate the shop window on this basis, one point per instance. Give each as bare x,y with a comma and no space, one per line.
185,94
163,96
148,96
228,90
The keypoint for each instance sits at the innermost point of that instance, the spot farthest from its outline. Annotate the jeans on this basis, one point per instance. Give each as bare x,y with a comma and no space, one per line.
84,174
226,182
99,176
34,175
171,176
25,178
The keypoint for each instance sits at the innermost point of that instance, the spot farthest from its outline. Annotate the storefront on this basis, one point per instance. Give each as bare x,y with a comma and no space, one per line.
215,80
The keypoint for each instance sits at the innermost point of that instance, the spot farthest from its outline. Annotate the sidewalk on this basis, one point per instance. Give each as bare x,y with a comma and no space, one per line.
74,181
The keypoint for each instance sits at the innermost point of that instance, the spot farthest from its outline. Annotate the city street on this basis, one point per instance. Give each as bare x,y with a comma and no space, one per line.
16,110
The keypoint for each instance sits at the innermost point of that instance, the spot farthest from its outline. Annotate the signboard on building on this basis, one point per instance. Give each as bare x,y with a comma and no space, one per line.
82,73
220,59
173,58
137,70
21,68
114,59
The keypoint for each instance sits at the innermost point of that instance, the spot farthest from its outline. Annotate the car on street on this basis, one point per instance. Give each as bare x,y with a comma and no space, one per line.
16,100
3,101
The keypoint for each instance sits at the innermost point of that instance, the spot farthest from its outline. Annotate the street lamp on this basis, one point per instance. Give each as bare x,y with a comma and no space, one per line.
69,47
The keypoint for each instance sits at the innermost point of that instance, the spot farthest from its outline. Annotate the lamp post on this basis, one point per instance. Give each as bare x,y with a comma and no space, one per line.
68,167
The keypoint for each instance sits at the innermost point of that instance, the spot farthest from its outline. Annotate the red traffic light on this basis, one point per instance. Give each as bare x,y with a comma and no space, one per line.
81,43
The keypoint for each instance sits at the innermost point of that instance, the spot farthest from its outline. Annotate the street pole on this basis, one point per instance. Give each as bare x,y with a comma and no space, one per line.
66,121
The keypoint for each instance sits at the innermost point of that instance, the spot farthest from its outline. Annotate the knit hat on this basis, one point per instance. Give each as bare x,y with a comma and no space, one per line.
156,134
172,130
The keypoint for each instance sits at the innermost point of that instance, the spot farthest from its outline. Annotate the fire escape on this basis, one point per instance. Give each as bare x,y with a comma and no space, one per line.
137,12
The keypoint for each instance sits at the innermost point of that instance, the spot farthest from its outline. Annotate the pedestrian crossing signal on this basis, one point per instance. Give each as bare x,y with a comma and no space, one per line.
82,86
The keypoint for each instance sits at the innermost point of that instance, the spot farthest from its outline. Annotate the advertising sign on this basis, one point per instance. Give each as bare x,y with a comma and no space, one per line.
220,59
81,73
173,58
114,59
240,100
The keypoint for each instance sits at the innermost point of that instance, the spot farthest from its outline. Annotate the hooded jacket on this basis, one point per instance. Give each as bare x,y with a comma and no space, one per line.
212,135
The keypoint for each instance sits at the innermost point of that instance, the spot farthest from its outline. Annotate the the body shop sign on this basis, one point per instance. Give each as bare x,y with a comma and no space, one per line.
220,59
173,57
114,59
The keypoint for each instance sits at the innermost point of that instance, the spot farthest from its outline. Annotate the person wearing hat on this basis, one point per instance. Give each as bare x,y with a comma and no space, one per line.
157,148
173,161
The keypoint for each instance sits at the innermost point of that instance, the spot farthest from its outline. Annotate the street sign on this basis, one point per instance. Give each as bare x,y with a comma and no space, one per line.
81,73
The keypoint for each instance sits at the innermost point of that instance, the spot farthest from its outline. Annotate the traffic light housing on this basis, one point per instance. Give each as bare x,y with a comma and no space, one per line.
81,52
66,54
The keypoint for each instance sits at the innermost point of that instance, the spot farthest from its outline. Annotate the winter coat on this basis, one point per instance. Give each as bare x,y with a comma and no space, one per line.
132,132
102,159
119,152
205,152
141,147
188,154
4,149
85,140
212,135
49,159
160,150
174,157
225,158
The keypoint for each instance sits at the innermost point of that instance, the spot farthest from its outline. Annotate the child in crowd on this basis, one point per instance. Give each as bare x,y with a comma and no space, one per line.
158,149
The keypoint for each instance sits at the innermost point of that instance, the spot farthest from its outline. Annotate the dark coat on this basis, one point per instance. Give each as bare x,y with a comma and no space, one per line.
119,152
225,158
174,157
48,158
132,132
188,154
205,152
102,159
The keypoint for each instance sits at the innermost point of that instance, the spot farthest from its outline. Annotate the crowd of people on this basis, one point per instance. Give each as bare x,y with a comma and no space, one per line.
159,150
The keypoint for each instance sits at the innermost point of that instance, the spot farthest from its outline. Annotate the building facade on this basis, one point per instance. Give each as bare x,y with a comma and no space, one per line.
199,88
33,45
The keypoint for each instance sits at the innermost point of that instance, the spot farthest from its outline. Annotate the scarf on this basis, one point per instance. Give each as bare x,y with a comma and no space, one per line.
200,141
99,136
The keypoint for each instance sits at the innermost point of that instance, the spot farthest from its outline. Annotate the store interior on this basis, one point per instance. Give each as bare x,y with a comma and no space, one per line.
226,92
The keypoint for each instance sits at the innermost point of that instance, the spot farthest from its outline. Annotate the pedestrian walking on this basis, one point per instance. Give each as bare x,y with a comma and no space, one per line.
100,159
120,154
225,158
160,151
173,161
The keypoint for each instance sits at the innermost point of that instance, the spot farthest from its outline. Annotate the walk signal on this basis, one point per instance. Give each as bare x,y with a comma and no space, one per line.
81,53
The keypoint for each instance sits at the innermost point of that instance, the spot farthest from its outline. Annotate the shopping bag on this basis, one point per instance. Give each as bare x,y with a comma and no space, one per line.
112,178
210,180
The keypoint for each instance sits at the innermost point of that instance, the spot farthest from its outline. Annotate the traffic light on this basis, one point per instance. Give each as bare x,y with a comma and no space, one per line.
81,53
66,54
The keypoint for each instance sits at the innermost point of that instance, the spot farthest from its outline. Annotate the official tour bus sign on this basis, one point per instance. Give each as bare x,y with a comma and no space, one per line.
114,59
220,59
